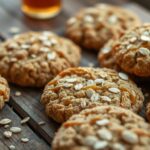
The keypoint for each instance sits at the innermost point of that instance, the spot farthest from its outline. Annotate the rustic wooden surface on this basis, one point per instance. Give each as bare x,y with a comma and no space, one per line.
28,104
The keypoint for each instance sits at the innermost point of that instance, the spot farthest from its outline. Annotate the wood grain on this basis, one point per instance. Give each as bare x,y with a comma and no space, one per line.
34,141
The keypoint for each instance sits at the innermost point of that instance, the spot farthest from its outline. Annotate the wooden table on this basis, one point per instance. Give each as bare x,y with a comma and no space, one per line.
40,136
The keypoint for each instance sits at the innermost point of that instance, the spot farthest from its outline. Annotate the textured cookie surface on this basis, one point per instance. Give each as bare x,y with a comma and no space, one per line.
33,58
103,128
76,89
93,27
132,53
4,92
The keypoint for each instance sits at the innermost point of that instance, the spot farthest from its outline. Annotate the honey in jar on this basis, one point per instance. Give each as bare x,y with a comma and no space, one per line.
41,9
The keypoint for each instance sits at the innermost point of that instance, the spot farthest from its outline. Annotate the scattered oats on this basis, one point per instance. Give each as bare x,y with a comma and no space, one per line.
51,56
91,64
117,146
123,76
102,122
105,134
25,120
114,90
15,129
100,145
78,86
71,80
144,51
89,92
44,49
88,19
71,21
14,30
5,121
83,104
106,50
133,39
24,140
67,85
113,19
106,98
99,81
7,134
90,140
90,82
12,147
129,137
17,93
145,38
41,123
95,97
6,126
25,46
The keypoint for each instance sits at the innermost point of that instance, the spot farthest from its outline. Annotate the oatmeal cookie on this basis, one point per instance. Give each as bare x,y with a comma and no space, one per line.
75,89
94,26
148,111
4,92
132,53
103,128
33,58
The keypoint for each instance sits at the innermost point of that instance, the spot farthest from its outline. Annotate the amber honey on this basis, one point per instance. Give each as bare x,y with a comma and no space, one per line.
41,8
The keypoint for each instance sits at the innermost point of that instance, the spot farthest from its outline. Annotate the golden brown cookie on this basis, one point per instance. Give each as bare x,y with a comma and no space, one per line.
103,128
94,26
4,92
75,89
132,52
34,58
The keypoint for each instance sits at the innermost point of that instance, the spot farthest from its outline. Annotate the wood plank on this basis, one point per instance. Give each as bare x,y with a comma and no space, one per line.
34,141
28,104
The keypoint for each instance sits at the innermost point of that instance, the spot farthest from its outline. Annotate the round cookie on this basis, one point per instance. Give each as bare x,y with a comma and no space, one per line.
103,128
94,26
132,52
34,58
75,89
4,92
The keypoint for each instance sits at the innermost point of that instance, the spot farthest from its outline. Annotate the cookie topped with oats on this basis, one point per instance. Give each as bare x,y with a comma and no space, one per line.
4,92
94,26
132,52
75,89
103,128
34,58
